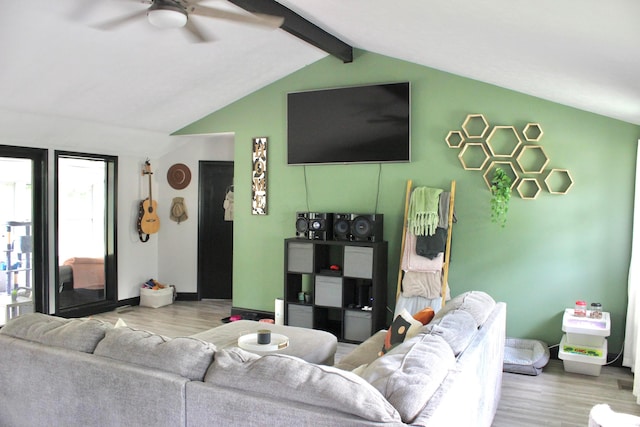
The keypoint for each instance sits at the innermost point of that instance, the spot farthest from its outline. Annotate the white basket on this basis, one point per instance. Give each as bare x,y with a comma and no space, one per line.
156,298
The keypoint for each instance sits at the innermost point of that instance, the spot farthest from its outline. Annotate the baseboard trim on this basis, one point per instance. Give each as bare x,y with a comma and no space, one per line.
251,314
187,296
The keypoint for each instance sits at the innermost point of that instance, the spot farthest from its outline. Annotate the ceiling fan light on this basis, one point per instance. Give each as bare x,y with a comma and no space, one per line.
167,18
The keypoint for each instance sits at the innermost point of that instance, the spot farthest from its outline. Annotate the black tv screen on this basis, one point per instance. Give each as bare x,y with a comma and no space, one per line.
360,124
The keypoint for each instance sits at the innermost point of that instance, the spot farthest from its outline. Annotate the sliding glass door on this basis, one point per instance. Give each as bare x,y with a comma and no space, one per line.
85,233
23,266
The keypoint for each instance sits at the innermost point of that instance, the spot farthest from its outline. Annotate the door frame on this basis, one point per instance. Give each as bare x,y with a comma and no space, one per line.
39,220
201,219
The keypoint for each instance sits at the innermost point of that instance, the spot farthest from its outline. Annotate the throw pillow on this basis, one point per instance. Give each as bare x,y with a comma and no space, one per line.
425,316
403,327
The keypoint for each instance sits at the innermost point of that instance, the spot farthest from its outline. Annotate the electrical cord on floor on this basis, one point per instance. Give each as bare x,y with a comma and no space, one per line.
617,357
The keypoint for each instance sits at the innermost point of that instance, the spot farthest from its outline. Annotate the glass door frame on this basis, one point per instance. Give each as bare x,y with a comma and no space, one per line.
111,276
39,219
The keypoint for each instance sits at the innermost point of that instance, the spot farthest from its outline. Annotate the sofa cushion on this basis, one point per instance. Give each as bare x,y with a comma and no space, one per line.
457,328
409,374
290,378
187,357
72,334
479,304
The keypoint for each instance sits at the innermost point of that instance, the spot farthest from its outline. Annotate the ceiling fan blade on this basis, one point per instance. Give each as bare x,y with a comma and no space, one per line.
107,25
268,21
86,8
194,32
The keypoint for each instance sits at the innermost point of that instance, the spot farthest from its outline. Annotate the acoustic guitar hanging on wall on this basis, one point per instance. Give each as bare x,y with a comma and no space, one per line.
148,221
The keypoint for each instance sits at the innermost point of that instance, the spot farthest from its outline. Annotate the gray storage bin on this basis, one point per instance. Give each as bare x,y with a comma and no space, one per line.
358,262
300,315
300,257
328,291
357,325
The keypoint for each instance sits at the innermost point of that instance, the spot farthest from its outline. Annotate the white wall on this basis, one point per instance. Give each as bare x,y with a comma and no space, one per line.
137,261
178,243
169,256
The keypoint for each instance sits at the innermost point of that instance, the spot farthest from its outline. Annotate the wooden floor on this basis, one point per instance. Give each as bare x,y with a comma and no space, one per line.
554,398
183,318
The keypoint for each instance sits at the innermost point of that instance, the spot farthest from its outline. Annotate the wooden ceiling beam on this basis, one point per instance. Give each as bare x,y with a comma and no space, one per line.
300,27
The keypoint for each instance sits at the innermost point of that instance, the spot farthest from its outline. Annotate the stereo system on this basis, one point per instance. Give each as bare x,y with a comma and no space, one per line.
314,225
339,226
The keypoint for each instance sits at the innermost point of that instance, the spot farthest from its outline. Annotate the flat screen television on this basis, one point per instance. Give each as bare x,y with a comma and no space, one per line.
359,124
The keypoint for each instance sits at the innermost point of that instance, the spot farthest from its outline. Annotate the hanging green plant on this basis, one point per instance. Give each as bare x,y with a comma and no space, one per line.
500,196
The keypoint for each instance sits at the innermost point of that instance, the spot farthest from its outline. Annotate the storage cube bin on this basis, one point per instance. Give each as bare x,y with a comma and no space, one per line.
328,291
300,258
156,298
358,262
582,359
300,315
584,331
357,325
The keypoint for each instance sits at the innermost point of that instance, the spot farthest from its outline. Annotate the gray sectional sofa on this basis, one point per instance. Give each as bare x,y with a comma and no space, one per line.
87,373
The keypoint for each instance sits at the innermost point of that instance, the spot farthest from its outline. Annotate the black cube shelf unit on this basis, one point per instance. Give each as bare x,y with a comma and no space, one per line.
337,296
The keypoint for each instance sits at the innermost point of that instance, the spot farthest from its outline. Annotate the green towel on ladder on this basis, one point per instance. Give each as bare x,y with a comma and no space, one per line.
423,211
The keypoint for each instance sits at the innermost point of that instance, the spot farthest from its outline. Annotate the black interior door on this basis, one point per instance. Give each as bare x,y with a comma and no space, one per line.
215,233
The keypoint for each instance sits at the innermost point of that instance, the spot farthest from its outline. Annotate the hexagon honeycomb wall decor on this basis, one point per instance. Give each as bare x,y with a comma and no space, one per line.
532,132
508,169
454,139
475,126
503,141
532,159
528,188
504,147
558,181
473,156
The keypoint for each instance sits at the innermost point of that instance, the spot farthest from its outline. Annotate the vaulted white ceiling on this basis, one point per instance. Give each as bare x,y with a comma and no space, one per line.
65,82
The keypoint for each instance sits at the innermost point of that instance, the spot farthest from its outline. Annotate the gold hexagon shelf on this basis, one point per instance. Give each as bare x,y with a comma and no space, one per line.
475,126
558,181
505,136
452,137
532,159
528,188
472,150
532,132
507,167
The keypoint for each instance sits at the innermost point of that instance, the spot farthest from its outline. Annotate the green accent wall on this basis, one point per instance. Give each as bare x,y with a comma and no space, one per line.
554,249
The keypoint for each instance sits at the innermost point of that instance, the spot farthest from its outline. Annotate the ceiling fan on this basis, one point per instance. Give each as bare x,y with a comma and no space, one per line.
176,14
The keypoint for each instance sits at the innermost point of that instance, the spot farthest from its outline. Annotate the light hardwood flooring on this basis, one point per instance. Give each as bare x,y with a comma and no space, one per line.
554,398
183,318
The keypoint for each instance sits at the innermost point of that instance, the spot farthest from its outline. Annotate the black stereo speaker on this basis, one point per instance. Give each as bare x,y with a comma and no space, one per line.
342,226
367,227
358,227
314,225
320,225
302,225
